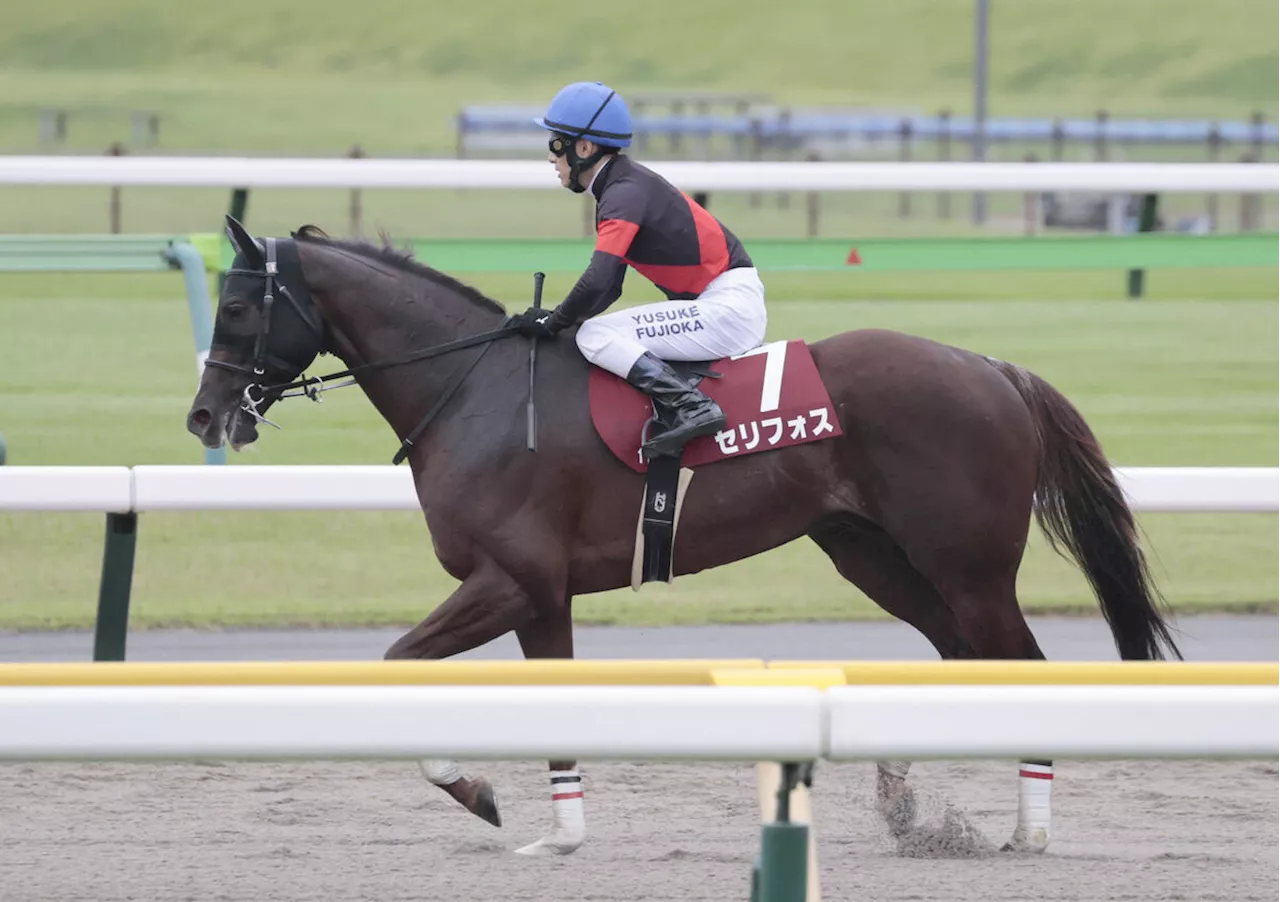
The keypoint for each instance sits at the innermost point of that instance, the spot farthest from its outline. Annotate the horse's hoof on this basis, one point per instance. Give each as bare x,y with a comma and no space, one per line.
485,805
560,844
1027,841
898,810
475,795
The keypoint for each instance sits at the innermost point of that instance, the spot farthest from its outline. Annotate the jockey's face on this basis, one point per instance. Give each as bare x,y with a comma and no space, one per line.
584,148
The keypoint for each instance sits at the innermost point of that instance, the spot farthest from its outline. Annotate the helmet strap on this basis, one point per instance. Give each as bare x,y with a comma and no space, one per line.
578,166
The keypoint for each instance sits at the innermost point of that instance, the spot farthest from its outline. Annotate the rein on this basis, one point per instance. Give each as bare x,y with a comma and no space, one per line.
312,387
425,354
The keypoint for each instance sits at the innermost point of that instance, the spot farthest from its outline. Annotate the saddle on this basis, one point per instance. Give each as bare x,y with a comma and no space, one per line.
772,396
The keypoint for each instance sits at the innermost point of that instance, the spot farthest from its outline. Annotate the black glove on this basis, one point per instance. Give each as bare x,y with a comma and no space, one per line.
534,322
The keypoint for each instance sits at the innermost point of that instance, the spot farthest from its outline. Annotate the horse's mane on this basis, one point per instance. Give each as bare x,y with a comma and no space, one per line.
398,259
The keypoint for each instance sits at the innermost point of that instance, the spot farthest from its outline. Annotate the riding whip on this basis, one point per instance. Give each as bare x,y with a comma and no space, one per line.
532,441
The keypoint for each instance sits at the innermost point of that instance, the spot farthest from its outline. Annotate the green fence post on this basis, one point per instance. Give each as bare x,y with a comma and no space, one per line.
783,871
784,861
1146,223
113,592
188,259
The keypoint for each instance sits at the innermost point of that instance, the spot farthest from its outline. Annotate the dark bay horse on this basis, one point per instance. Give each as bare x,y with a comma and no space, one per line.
924,503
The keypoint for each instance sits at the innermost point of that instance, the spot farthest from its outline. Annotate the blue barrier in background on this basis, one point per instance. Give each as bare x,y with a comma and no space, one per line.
783,127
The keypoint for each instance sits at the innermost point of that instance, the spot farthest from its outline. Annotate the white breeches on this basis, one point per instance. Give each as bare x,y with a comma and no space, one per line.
727,318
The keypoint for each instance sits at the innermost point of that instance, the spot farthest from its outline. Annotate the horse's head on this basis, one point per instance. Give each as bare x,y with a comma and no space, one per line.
266,332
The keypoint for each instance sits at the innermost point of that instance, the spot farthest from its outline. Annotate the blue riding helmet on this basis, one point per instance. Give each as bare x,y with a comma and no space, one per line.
591,110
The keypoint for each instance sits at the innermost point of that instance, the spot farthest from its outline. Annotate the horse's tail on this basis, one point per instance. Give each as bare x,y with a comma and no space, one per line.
1080,505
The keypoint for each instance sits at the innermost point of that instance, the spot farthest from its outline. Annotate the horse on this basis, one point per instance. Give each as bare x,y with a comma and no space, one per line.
923,500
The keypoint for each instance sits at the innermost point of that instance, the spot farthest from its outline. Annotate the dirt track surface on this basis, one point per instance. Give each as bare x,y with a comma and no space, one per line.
234,831
336,831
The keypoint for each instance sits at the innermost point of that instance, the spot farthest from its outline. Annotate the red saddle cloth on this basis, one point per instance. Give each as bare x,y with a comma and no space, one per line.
772,397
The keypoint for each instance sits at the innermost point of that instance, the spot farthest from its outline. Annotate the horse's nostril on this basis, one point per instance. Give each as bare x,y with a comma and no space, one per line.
201,418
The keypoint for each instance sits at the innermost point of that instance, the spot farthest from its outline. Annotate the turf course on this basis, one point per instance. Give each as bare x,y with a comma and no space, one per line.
99,371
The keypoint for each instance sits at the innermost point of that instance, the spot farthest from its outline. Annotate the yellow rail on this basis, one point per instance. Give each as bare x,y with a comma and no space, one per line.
693,672
364,673
1046,673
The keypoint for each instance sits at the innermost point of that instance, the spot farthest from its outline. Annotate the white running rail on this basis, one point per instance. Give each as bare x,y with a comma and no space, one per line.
721,723
384,487
267,172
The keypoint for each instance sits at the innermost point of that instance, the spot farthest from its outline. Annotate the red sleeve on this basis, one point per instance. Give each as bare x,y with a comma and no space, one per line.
620,212
614,236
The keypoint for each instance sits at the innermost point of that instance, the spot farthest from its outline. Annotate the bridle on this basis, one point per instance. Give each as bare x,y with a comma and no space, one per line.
261,356
313,386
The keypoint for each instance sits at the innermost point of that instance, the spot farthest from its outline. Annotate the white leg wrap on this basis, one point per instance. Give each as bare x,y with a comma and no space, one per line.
570,822
1035,786
440,772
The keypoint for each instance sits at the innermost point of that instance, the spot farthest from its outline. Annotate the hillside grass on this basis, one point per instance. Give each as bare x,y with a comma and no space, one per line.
316,78
319,76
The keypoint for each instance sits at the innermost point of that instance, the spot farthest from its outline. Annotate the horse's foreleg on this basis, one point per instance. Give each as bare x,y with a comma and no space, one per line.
487,605
551,636
473,793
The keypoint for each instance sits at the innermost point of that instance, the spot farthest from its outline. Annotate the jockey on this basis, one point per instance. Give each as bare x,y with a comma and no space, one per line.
715,299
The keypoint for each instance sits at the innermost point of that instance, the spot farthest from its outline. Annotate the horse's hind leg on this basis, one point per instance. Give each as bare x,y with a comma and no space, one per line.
970,550
551,636
869,558
992,622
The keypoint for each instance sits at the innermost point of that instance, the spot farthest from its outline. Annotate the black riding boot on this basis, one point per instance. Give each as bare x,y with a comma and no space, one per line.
684,410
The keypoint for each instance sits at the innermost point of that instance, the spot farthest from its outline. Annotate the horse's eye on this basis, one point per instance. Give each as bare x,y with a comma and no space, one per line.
234,312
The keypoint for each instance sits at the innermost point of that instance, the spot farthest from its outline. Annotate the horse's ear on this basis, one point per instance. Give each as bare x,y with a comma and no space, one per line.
244,244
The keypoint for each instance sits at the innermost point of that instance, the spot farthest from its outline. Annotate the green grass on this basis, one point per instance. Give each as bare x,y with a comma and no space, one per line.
525,214
99,371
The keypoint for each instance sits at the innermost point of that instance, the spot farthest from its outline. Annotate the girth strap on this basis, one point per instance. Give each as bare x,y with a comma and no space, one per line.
439,405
